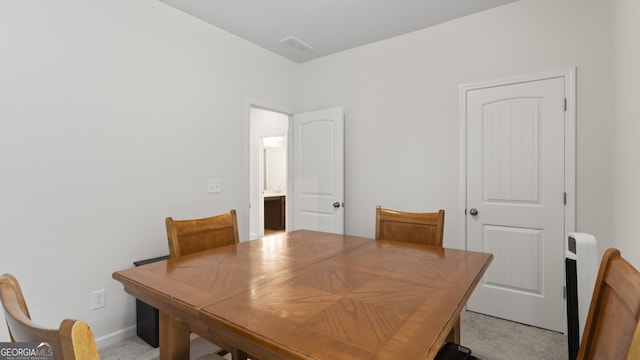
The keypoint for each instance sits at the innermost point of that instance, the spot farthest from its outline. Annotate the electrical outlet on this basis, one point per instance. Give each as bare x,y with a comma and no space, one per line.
98,299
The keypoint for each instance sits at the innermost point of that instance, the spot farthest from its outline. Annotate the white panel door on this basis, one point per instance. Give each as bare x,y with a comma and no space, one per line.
515,199
318,171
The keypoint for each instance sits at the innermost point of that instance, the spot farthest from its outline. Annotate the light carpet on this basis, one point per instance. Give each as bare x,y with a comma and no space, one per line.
488,338
491,338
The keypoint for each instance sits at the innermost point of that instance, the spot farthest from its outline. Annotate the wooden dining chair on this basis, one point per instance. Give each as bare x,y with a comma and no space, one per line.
422,228
190,236
73,340
614,311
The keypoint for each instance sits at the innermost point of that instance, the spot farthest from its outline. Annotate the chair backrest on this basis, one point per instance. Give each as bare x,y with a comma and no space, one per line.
422,228
614,310
72,341
190,236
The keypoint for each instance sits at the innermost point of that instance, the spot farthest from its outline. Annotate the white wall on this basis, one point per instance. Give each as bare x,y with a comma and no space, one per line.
113,115
275,159
401,100
625,214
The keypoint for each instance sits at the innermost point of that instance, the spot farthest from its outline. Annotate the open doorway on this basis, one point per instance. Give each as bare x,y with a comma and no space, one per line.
268,174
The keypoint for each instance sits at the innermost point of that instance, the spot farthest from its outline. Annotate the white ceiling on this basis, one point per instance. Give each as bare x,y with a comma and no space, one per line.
328,26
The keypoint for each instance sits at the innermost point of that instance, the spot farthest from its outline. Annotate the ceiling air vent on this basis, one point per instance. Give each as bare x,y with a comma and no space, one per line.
295,44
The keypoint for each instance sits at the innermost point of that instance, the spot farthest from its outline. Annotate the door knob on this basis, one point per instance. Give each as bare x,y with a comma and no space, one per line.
336,204
473,211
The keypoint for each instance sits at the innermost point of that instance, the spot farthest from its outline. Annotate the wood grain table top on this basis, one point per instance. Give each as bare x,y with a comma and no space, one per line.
314,295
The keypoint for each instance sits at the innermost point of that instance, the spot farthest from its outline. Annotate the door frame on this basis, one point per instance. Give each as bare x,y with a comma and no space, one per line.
569,75
265,105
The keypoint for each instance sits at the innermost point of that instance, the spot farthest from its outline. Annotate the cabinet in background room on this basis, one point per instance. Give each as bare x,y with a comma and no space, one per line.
274,212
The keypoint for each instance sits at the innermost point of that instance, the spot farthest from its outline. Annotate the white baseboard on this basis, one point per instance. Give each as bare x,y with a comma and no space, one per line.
115,337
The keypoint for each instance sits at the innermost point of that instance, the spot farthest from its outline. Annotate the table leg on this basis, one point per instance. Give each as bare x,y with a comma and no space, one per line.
237,354
174,338
454,334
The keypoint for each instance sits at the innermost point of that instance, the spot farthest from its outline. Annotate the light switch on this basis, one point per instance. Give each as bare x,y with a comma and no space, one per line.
214,186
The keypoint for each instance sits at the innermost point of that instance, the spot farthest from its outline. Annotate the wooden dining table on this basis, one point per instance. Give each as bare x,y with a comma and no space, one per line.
311,295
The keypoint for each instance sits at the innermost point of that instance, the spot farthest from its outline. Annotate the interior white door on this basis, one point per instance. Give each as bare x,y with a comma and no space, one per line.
318,171
516,199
